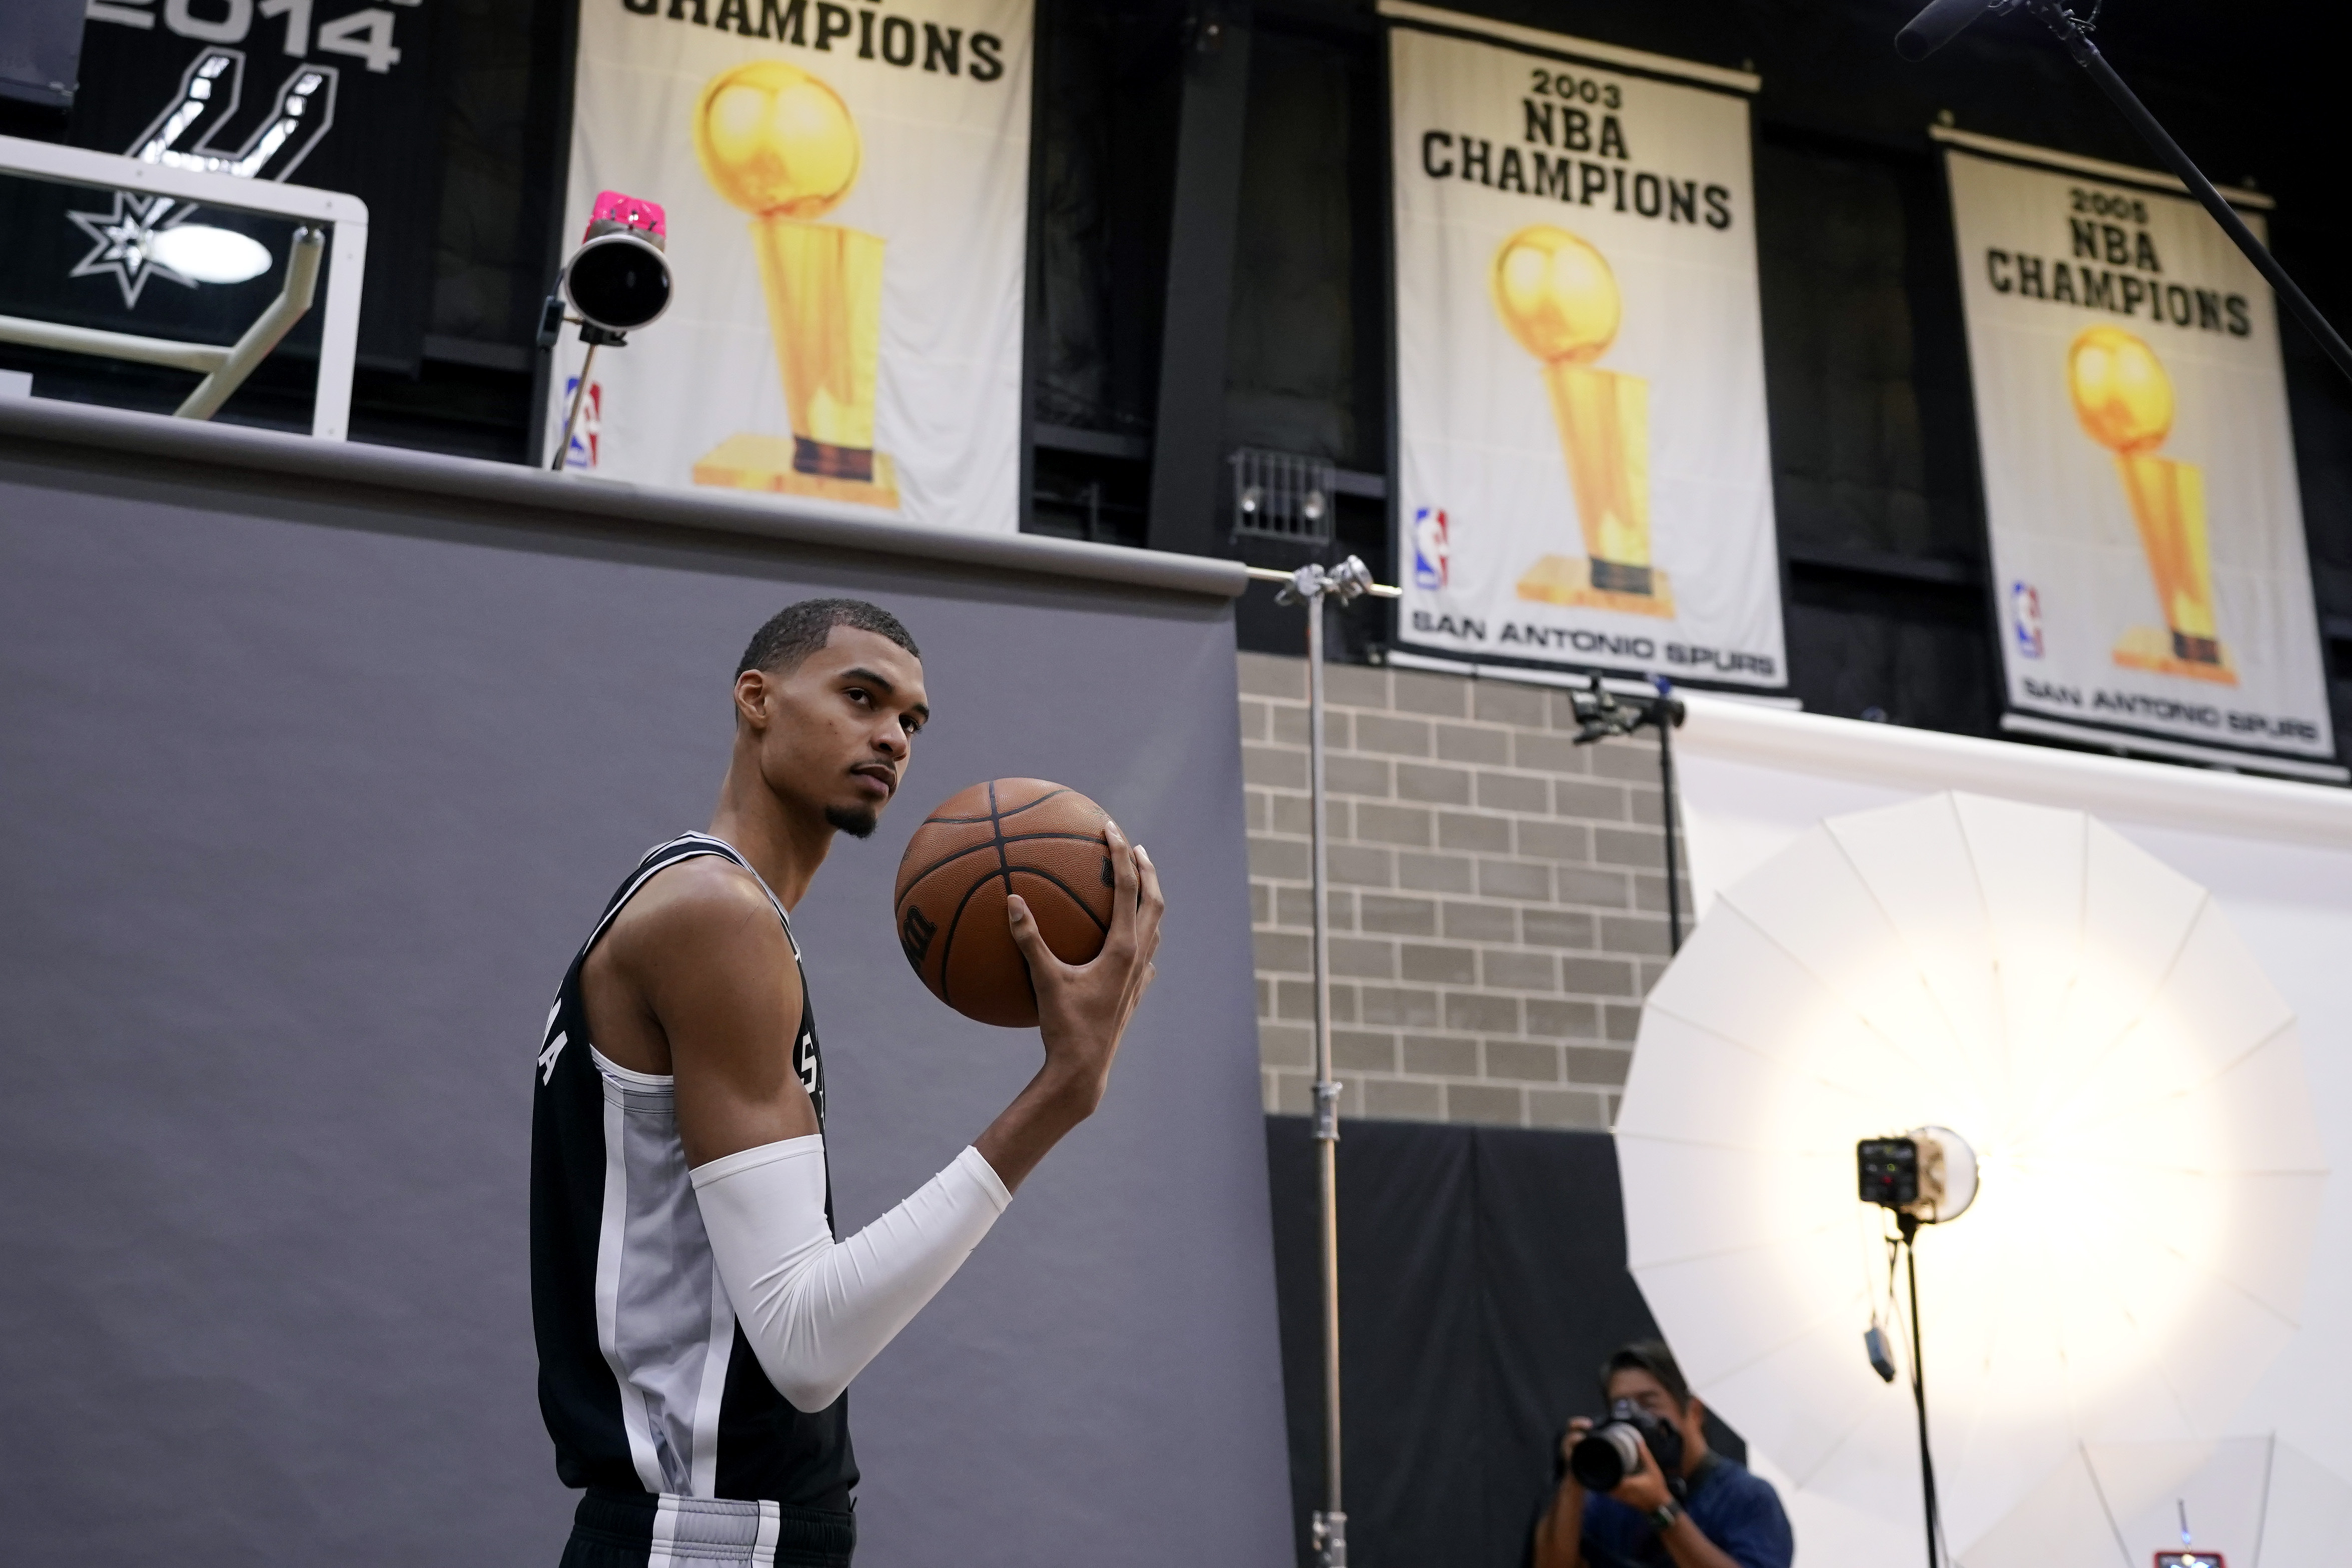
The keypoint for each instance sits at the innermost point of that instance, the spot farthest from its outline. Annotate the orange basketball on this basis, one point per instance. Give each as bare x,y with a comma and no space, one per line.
1007,836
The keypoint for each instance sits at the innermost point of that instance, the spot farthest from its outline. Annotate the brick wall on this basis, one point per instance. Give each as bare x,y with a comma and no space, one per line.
1498,896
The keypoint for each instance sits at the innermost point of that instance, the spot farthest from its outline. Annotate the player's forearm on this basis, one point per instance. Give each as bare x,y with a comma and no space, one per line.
816,1310
1041,1115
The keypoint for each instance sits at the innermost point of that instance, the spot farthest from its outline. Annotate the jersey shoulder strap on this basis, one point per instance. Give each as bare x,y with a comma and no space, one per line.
662,856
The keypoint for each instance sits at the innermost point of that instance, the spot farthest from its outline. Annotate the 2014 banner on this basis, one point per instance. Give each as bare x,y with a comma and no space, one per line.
334,94
1585,468
2139,474
847,197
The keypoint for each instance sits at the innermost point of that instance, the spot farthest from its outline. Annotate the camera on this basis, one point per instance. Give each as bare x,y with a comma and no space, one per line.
1612,1450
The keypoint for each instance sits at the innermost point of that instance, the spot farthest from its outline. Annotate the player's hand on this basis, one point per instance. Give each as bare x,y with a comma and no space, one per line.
1645,1488
1082,1009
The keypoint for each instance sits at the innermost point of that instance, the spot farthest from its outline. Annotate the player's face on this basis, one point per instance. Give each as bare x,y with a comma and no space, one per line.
840,728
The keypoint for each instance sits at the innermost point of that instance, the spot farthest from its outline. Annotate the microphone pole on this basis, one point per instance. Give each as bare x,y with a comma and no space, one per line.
1944,20
2070,32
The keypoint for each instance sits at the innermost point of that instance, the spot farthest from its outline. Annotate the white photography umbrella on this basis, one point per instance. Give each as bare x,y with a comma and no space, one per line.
2086,1019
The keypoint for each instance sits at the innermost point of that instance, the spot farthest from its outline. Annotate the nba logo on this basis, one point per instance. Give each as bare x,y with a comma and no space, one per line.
1428,548
2026,610
586,436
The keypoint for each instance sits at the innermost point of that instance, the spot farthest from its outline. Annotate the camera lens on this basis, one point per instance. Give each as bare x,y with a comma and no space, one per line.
618,282
1605,1457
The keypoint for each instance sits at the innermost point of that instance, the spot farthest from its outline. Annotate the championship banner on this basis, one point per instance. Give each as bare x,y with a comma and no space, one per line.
847,196
1585,470
2139,477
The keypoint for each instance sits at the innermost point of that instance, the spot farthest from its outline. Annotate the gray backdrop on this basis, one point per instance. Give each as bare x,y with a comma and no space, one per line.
310,795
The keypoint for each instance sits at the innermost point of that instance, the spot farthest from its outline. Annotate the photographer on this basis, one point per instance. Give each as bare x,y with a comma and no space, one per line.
1677,1504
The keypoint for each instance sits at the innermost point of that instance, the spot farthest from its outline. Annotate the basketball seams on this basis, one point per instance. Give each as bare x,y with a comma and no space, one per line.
994,815
947,947
994,844
1047,875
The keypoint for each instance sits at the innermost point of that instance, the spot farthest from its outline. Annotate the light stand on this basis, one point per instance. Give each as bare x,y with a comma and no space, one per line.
1907,1224
1943,20
1601,714
1311,586
1926,1175
596,337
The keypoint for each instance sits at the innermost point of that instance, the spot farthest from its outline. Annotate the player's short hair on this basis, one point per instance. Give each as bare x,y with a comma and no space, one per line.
1652,1357
796,631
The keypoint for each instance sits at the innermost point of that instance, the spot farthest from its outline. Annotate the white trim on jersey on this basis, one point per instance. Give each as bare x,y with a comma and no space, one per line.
668,1331
612,1232
717,1353
630,1077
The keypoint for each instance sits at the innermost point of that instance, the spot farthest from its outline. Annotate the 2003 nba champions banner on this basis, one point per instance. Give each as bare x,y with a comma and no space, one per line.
1586,478
847,189
2138,468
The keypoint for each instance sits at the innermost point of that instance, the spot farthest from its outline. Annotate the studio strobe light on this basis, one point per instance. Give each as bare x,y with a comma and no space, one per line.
1928,1174
1890,1171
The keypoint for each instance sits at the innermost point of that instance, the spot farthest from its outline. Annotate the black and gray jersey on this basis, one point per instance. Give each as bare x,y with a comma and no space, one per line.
646,1380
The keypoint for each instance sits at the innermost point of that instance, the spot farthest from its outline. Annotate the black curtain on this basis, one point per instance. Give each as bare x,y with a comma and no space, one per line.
1482,1282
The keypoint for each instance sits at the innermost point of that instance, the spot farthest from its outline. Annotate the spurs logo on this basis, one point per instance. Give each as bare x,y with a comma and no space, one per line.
187,135
184,135
914,935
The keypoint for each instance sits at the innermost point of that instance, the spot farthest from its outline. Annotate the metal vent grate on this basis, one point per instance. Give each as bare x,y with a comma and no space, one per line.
1281,495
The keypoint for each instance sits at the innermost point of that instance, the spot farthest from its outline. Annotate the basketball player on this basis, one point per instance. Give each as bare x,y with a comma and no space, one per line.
697,1322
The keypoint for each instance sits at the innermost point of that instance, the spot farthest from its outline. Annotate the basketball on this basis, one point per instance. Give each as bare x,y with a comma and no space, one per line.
1040,840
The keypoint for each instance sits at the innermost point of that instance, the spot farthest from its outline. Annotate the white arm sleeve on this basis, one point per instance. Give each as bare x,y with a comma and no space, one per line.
815,1310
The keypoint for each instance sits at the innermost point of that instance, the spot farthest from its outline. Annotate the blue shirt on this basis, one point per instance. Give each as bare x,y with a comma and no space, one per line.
1738,1510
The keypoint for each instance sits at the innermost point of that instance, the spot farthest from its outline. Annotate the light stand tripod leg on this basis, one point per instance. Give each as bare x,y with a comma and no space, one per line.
2087,55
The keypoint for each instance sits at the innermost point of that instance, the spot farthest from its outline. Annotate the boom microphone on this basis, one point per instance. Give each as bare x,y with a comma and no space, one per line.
1940,23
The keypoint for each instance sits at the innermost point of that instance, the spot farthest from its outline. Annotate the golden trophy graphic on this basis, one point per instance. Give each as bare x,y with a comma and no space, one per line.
1556,294
2125,402
779,143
